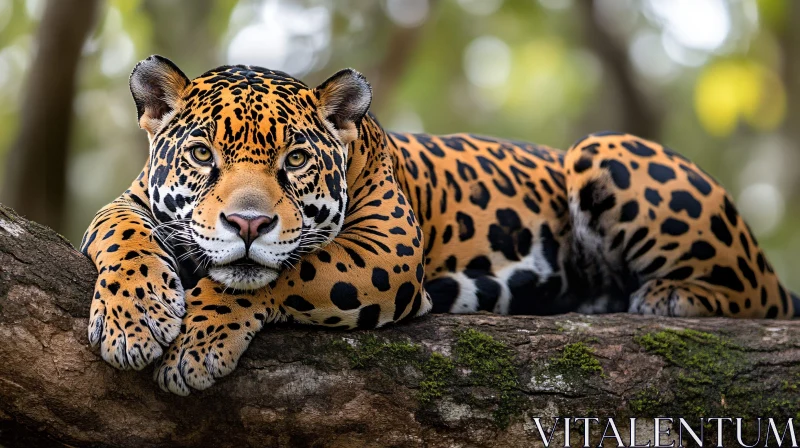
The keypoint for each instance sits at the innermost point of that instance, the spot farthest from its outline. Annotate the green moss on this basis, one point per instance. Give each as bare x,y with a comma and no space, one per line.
479,361
706,352
711,376
707,366
491,365
646,401
438,373
370,351
577,358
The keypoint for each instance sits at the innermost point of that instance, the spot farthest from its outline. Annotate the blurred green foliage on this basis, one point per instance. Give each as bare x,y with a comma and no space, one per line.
713,79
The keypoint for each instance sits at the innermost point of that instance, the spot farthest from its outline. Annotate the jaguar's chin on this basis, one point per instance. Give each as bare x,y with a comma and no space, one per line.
245,275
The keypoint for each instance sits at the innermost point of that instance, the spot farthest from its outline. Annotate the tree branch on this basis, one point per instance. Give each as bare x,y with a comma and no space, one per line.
297,386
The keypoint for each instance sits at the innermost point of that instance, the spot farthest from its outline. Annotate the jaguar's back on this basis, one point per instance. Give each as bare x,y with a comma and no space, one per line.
615,223
495,218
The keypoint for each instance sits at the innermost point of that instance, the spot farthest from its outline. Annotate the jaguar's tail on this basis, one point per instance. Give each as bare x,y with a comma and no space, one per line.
796,303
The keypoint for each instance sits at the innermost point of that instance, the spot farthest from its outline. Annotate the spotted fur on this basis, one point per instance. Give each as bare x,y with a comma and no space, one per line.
349,238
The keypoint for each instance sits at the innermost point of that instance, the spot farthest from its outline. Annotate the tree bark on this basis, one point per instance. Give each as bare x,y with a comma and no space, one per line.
444,380
36,171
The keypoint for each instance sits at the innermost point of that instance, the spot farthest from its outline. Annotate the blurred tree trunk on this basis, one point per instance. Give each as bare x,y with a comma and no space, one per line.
184,34
789,39
638,113
402,45
35,178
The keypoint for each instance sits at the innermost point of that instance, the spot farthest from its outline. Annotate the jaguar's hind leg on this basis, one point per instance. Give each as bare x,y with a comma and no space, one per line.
641,212
678,298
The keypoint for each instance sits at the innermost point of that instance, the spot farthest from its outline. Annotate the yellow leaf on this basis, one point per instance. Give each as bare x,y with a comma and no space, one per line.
730,91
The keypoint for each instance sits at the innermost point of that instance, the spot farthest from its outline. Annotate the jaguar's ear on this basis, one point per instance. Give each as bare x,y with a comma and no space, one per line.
157,86
343,100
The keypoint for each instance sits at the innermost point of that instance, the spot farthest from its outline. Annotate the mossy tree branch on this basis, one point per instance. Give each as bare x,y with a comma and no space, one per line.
438,381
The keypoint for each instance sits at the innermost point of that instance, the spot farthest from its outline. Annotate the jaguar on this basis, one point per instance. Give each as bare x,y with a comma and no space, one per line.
266,200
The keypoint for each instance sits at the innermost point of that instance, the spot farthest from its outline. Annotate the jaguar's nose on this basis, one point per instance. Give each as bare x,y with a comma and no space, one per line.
251,227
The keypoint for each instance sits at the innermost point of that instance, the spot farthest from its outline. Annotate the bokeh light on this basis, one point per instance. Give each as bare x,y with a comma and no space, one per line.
407,13
696,24
283,36
480,7
487,61
762,205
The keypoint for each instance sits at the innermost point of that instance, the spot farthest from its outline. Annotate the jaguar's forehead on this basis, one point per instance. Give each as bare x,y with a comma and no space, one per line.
255,88
245,109
241,76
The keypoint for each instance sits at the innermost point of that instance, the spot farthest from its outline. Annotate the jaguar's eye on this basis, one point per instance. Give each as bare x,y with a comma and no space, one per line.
201,154
296,159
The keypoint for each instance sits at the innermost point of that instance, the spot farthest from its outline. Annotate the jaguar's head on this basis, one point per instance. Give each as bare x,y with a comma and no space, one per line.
247,165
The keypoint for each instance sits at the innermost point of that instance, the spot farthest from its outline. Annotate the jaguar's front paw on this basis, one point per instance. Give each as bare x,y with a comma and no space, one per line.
137,308
216,331
202,353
